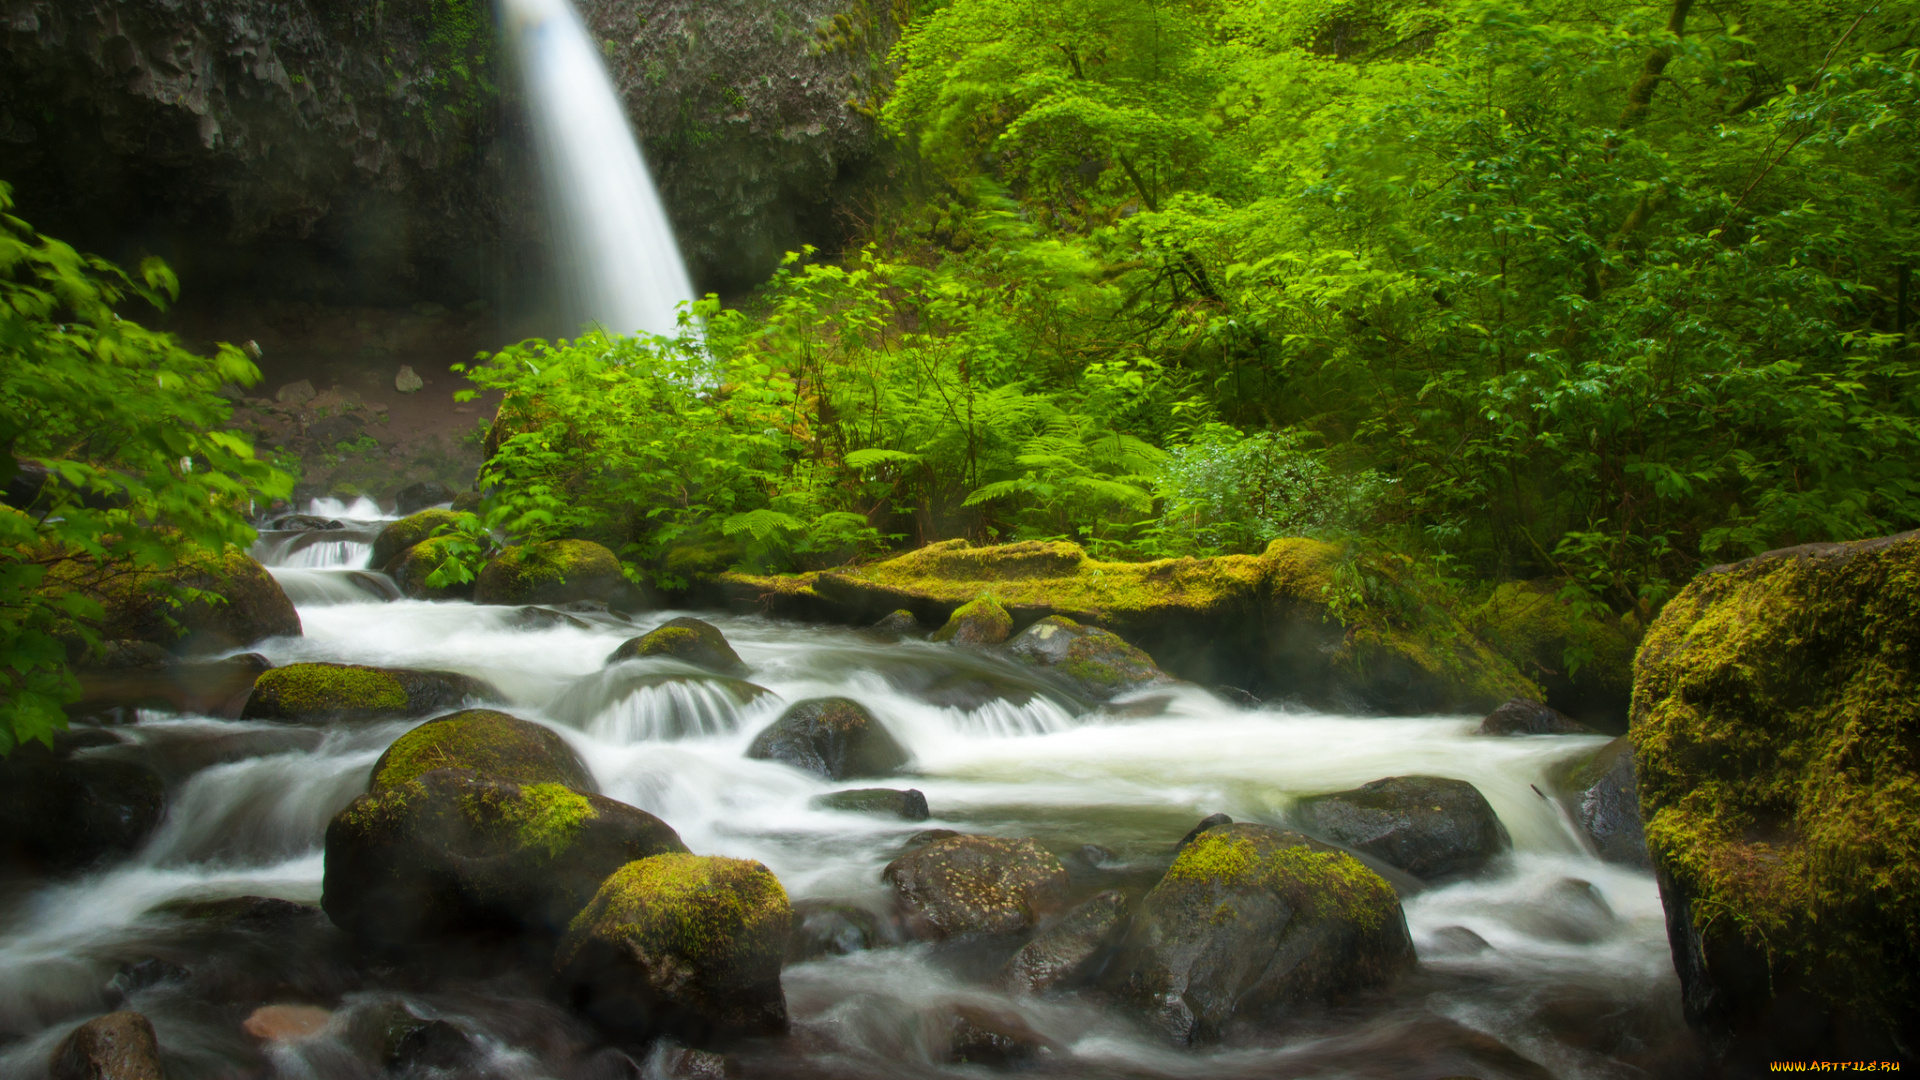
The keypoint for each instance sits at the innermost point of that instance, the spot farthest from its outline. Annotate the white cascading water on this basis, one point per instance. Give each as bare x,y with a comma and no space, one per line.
618,258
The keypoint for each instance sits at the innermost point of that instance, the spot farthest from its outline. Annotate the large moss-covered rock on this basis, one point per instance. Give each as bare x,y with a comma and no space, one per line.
1250,921
63,810
1581,658
416,564
1602,798
693,641
1776,715
1096,661
965,885
553,572
832,737
1265,623
1428,826
487,742
680,945
400,536
977,622
208,602
454,851
317,693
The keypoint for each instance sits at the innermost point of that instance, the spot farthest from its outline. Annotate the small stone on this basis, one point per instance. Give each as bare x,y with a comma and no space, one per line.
1074,948
1211,821
832,737
286,1023
976,885
1428,826
898,624
295,393
1518,716
992,1037
925,837
908,805
117,1046
406,381
979,622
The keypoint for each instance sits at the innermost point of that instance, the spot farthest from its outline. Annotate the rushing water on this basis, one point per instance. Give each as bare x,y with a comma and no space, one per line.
617,252
1549,963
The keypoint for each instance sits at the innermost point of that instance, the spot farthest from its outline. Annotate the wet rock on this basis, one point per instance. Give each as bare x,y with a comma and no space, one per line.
239,602
145,974
1097,856
295,393
1211,821
1518,716
286,1023
141,675
257,912
996,1038
976,885
406,381
305,523
690,640
117,1046
824,928
670,1061
680,945
1600,794
927,836
1570,910
396,537
554,572
1458,941
321,693
966,690
908,805
1072,950
897,625
977,622
540,618
61,812
1097,661
420,496
1425,825
488,742
832,737
413,568
1251,920
453,852
429,1044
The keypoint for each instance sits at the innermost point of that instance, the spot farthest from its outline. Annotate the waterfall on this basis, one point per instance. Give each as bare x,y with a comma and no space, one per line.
618,259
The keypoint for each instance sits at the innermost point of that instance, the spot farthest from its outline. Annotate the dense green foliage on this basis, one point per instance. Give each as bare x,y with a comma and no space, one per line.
1524,288
129,426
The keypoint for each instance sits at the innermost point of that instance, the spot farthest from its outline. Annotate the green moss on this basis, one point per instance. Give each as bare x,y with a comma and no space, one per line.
983,620
1319,884
519,571
399,536
548,816
488,742
301,689
668,640
705,908
1775,718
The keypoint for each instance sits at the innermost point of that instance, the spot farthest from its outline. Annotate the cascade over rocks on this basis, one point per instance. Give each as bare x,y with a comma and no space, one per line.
1600,795
397,537
1259,623
64,810
683,945
1095,660
1072,950
156,606
1426,825
1775,723
964,885
552,572
1518,716
693,641
489,742
319,693
117,1046
976,622
454,851
832,737
1251,920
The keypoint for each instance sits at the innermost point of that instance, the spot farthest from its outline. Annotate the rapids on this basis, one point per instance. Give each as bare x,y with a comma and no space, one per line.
1551,963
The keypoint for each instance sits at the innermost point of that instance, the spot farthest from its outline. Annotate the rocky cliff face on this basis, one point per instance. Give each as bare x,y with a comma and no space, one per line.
370,151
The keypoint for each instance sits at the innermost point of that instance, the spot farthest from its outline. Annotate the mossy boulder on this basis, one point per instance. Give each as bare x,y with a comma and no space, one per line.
397,537
1073,949
1601,796
1096,661
832,737
1268,624
1429,826
1581,658
908,805
689,640
977,622
897,626
1776,715
208,602
487,742
64,810
453,852
319,693
1518,716
553,572
1251,921
680,945
414,565
966,885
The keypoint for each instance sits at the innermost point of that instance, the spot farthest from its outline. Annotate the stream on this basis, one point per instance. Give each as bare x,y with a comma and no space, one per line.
1548,963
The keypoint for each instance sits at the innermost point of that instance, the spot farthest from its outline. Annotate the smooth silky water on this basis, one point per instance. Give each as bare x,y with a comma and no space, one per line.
1549,963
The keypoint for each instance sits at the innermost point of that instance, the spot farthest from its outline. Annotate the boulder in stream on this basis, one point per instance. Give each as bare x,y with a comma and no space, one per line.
1426,825
453,851
140,674
966,885
981,621
416,564
552,572
420,496
320,693
1599,792
1096,661
1520,716
908,805
1074,948
63,809
690,640
897,626
682,945
117,1046
832,737
398,536
208,602
1251,920
488,742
